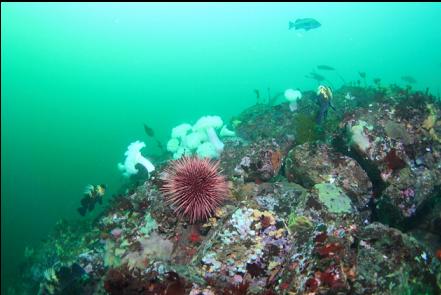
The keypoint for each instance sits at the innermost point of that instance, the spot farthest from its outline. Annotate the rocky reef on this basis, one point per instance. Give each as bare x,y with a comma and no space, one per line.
351,206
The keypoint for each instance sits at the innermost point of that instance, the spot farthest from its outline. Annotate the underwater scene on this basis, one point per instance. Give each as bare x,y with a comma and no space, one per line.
220,148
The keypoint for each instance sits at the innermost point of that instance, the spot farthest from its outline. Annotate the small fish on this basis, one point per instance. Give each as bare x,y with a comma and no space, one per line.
315,76
304,23
362,74
256,91
377,81
325,68
92,195
324,98
149,131
329,68
408,79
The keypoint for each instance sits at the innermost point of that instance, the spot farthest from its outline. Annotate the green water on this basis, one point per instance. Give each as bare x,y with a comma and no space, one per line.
79,80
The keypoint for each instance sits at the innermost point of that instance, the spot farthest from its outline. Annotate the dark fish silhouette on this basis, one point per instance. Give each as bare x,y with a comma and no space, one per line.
325,68
304,23
315,76
329,68
149,131
408,79
362,74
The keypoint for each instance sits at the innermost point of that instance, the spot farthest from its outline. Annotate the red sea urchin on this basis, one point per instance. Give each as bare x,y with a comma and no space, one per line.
194,187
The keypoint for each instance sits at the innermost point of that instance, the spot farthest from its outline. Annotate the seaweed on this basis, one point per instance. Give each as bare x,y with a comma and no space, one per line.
412,105
306,130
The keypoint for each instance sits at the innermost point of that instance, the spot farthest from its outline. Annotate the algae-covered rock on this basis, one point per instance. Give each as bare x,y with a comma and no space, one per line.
256,162
279,197
251,245
394,146
299,223
150,225
390,262
408,192
333,198
309,164
359,260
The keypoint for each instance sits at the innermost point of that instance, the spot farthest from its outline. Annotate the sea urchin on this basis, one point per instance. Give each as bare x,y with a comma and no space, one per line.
194,187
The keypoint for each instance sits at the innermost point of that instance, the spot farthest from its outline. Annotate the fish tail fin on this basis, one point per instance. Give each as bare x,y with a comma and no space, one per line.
319,118
82,211
291,25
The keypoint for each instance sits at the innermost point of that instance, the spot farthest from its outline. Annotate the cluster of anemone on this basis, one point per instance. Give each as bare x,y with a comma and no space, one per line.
193,186
201,139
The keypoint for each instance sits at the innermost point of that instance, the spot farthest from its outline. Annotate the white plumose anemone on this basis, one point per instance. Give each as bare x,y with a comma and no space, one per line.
133,157
208,124
292,96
